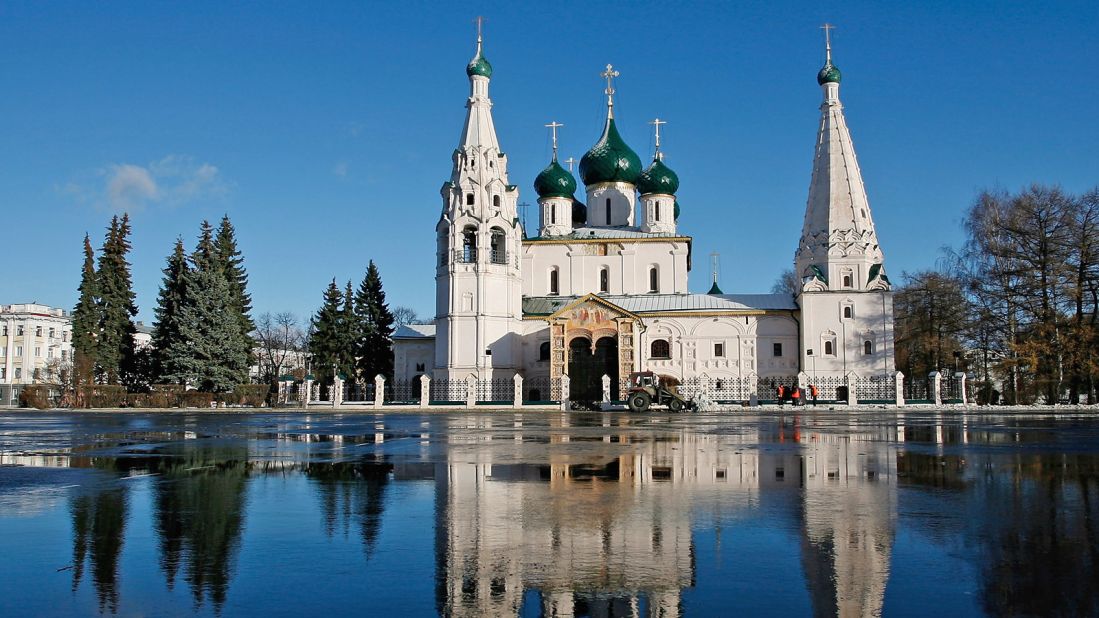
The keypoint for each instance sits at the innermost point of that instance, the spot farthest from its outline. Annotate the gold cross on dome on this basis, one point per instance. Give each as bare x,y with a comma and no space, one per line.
656,123
828,28
609,75
553,128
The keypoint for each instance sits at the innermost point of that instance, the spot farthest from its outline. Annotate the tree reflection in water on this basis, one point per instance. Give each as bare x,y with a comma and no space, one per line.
99,522
352,491
199,509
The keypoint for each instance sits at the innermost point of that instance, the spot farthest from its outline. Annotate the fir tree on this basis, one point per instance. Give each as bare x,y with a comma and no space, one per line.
170,302
375,327
85,319
349,334
328,343
115,348
207,355
231,263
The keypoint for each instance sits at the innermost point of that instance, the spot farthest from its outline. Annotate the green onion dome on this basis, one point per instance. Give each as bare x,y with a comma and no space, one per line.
830,74
675,211
610,159
659,178
555,181
579,213
479,65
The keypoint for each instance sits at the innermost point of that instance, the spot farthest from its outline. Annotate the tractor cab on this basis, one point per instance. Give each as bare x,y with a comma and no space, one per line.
646,389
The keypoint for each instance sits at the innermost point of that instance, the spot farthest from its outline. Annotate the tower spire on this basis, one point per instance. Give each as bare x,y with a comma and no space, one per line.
609,75
827,28
552,126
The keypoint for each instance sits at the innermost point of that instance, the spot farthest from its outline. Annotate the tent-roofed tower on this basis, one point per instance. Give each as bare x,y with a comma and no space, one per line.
845,295
477,280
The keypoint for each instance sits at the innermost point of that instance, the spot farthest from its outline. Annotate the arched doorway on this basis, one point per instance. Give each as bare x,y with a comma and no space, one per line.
587,367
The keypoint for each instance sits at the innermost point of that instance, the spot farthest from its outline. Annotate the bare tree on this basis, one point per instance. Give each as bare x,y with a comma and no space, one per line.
787,283
280,342
405,315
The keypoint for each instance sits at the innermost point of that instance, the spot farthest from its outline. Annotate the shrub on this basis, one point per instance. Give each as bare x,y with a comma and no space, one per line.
172,389
195,399
103,395
36,396
249,394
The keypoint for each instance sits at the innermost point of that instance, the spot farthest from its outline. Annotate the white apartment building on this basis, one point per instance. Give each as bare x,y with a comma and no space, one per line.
35,343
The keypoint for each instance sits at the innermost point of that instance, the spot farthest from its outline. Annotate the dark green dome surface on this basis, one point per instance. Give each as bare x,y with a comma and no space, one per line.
829,74
579,214
555,181
659,178
610,159
479,65
675,211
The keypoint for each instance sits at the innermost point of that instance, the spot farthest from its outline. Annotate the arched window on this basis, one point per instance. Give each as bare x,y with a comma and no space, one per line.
660,349
829,348
469,244
608,211
544,351
553,214
847,311
654,279
604,279
847,281
554,288
499,250
867,347
496,201
657,217
469,199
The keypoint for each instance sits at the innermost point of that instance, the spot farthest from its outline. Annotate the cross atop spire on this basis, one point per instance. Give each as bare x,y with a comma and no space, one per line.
569,162
479,20
656,122
609,75
828,28
552,126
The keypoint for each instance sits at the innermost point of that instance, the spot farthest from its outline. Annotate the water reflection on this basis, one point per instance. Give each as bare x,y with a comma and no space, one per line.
584,515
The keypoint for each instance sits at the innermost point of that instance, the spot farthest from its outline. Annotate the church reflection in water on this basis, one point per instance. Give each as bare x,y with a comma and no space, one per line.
596,516
584,534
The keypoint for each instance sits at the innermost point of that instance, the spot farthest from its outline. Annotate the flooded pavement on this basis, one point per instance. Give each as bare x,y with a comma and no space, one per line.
555,514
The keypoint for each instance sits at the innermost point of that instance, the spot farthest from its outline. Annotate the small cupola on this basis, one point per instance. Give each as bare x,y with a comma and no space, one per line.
658,178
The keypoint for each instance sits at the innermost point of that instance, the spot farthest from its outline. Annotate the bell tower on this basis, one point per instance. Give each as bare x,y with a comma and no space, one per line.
478,305
846,298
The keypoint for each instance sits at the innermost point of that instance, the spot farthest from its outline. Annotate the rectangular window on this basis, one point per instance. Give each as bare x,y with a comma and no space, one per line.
608,211
18,372
719,350
37,352
19,350
3,373
654,280
604,280
52,333
19,331
38,331
64,354
777,350
49,352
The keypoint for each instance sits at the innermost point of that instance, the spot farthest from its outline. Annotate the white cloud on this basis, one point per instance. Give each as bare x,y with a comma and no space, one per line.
172,181
340,169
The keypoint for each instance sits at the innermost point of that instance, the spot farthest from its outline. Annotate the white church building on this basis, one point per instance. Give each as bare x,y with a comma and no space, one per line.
600,288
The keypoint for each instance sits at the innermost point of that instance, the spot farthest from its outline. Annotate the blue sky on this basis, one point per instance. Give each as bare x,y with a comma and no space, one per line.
324,129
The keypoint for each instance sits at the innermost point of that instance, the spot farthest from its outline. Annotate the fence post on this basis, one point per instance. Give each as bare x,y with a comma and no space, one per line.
960,377
517,394
899,377
471,391
935,379
379,390
852,381
565,391
425,391
337,391
307,392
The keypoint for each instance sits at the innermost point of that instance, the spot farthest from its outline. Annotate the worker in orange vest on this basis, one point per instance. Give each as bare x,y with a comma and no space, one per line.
781,394
796,396
813,392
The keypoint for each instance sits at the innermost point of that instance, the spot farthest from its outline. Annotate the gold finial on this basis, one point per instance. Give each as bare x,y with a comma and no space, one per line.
553,128
656,124
569,162
828,28
609,75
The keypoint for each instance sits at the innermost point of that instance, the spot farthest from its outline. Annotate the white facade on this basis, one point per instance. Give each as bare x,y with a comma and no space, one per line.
35,343
609,280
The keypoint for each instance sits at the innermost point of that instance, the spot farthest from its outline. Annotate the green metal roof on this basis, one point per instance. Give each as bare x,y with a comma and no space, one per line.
659,178
829,74
555,181
610,159
714,289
